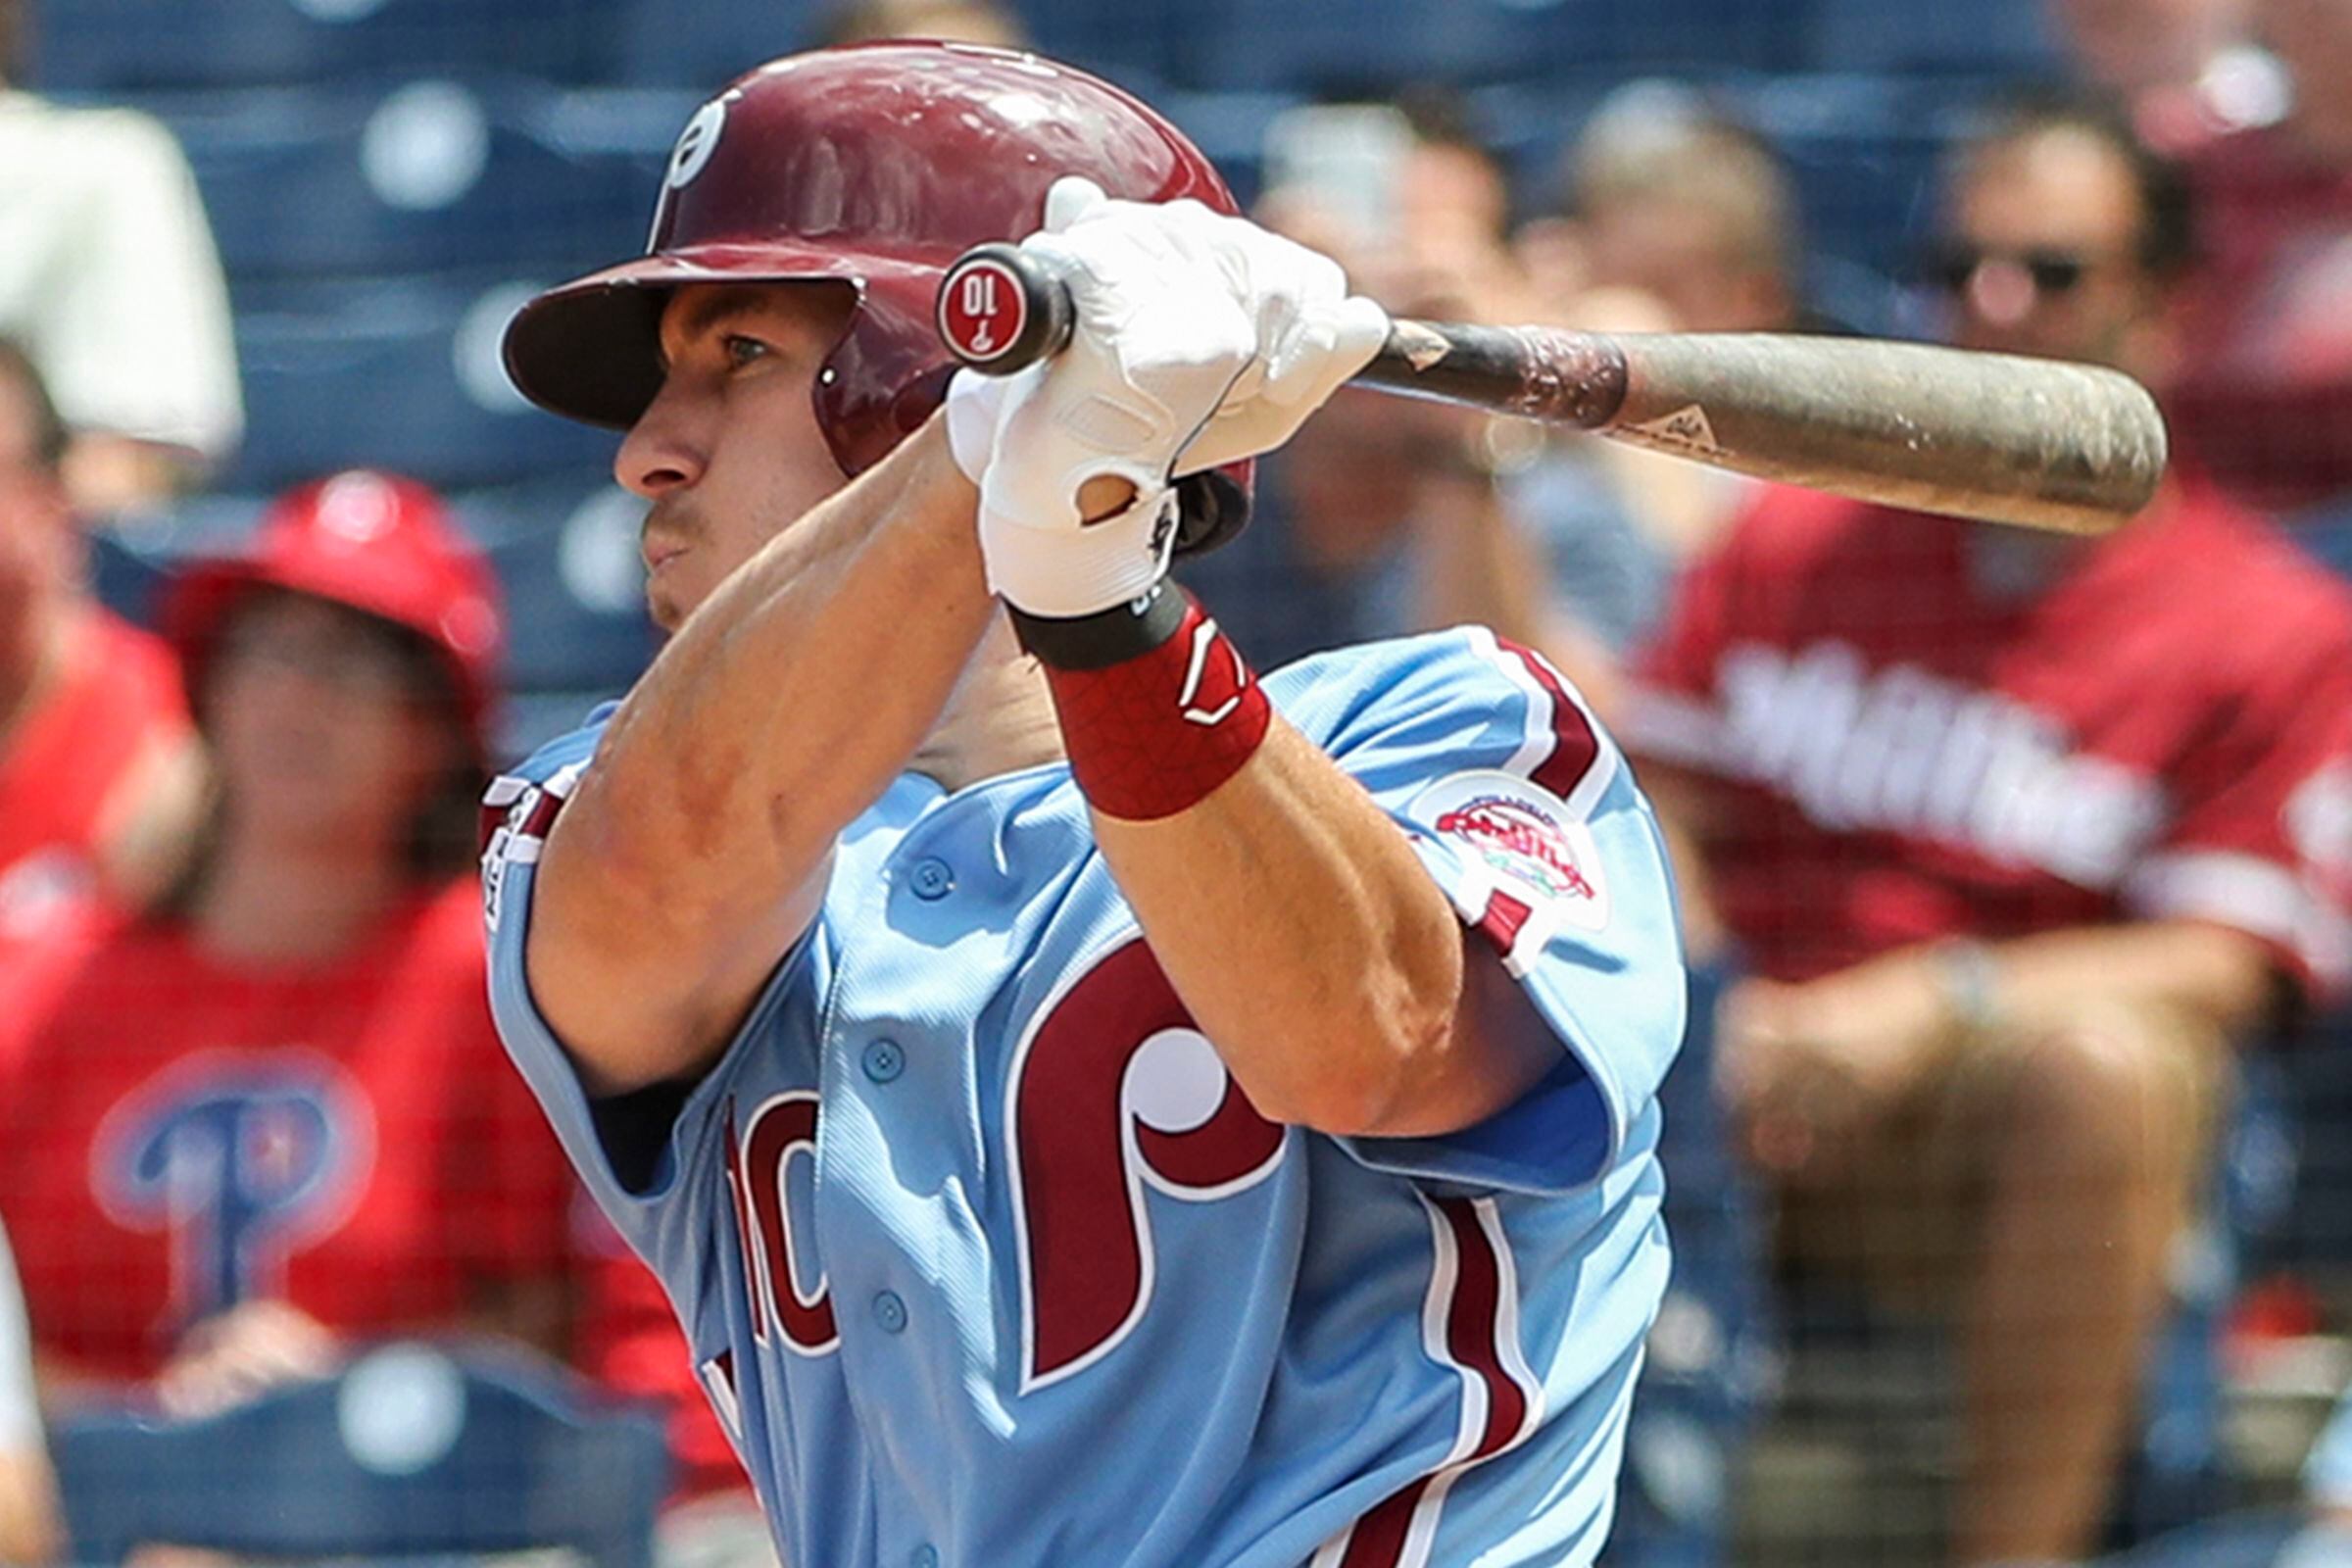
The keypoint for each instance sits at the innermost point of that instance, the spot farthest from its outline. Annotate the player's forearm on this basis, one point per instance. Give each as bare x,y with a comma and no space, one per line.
1310,946
790,697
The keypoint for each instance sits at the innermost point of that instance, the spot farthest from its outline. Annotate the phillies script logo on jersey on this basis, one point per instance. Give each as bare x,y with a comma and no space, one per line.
1519,840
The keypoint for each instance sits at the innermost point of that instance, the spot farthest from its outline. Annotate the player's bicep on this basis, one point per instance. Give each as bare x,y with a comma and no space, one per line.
643,978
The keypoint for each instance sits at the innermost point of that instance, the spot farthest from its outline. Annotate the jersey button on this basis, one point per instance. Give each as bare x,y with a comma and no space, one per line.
923,1558
884,1060
932,879
890,1313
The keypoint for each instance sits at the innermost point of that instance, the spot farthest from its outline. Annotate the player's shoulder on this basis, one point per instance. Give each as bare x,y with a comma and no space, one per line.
543,778
1460,665
568,752
522,802
1460,693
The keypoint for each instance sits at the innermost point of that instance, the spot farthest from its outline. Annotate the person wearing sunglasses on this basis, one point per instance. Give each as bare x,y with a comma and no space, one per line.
2018,838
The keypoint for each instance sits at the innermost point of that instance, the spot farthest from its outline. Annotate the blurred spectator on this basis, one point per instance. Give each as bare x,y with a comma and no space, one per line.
957,20
1672,217
1667,197
108,279
31,1529
100,779
270,1111
2018,833
1417,210
629,1340
2266,394
2186,70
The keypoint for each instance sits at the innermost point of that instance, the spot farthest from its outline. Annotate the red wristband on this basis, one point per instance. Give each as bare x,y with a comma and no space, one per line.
1153,735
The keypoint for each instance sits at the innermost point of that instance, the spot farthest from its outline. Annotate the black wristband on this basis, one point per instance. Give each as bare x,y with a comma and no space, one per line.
1106,637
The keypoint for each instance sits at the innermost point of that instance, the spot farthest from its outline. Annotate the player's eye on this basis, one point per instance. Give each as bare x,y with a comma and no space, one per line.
741,350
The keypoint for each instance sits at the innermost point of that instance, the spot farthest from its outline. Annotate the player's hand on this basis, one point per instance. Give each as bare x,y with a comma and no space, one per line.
1199,339
244,1352
1809,1071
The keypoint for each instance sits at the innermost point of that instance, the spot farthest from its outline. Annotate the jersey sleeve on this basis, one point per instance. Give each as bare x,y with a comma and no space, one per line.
2258,834
1526,815
631,1152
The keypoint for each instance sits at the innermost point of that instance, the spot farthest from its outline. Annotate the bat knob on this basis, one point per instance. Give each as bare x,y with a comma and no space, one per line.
1002,310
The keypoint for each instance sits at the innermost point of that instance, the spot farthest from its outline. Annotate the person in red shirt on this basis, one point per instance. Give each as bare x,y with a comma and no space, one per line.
270,1113
2265,394
100,777
2016,833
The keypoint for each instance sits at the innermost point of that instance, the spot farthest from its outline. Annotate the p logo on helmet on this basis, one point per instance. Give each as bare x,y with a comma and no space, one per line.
689,157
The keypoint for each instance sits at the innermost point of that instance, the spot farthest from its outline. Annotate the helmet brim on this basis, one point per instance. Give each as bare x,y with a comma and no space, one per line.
590,349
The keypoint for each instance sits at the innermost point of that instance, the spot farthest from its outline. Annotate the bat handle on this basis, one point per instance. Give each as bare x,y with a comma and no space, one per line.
1002,310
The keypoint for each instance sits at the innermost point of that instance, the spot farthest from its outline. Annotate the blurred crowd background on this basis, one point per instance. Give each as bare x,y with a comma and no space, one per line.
2011,1155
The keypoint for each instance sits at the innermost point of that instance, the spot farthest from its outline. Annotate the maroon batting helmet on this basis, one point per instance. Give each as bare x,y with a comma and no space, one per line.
872,166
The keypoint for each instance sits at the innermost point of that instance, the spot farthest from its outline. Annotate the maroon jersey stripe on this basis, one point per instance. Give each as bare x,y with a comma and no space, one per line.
1473,1341
1575,747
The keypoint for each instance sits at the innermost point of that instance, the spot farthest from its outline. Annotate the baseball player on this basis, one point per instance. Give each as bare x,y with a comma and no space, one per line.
1088,1105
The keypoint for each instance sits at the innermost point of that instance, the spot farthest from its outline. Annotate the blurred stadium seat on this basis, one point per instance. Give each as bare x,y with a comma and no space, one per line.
1863,150
426,175
398,373
117,45
1982,37
410,1451
698,45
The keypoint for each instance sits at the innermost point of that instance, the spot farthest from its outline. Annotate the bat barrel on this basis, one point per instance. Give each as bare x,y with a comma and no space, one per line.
2072,447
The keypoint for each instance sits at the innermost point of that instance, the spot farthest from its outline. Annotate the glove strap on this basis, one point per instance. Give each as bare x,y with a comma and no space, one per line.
1157,707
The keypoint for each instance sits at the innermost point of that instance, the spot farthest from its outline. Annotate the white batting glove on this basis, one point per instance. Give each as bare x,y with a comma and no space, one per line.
1199,339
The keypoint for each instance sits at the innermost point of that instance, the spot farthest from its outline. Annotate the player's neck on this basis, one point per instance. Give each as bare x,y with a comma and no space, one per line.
998,720
292,903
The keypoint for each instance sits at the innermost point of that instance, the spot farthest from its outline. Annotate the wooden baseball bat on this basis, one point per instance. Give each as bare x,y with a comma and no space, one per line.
2038,443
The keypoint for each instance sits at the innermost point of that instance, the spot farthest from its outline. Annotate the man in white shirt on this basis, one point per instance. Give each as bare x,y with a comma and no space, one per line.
109,277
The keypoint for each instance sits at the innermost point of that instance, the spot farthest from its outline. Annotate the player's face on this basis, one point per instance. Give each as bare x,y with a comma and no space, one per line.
730,452
324,723
2041,254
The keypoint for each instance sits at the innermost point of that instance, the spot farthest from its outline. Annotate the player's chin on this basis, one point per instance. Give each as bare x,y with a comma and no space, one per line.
664,605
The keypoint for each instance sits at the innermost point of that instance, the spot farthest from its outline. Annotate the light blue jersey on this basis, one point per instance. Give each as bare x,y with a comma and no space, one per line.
987,1263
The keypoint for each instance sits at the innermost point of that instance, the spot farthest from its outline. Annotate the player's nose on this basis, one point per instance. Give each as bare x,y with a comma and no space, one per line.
661,451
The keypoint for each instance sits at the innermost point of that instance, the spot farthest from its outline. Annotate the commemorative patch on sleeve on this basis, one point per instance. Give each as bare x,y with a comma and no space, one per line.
1516,837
